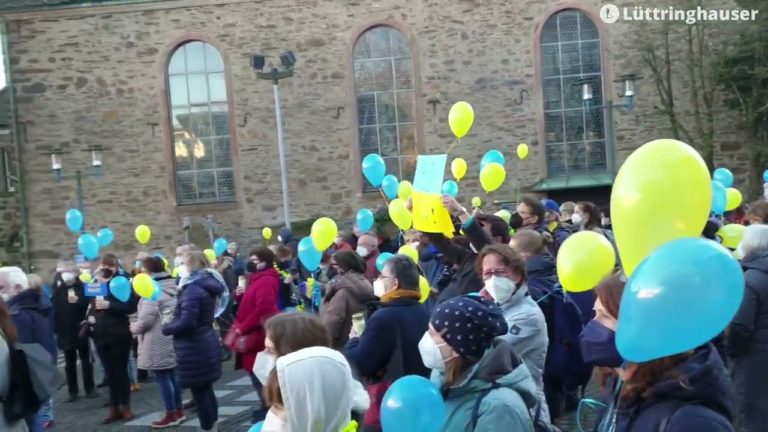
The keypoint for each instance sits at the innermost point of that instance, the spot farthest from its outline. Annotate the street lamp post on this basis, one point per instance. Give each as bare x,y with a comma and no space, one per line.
275,75
627,95
57,166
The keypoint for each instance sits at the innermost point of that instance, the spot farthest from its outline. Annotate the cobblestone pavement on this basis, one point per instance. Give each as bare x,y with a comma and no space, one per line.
236,400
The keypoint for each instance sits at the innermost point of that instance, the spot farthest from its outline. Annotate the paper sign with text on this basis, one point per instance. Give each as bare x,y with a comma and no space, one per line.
430,170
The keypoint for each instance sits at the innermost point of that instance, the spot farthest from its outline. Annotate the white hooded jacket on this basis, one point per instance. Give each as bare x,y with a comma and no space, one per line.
318,392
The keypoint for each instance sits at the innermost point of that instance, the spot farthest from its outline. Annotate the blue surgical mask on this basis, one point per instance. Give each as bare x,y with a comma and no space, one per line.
598,346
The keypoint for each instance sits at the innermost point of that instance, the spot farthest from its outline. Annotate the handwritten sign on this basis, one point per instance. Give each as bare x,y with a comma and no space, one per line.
429,214
430,170
96,289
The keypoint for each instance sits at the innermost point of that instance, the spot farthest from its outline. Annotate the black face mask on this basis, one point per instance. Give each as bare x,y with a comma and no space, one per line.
515,221
107,273
251,267
332,272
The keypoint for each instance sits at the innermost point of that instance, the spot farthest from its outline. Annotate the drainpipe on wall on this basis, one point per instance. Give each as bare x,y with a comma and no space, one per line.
26,261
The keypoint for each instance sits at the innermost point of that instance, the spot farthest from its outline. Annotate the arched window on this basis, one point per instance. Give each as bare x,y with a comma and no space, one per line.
574,133
197,91
386,114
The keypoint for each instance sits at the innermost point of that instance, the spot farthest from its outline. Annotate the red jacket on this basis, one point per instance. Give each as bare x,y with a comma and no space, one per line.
257,305
371,272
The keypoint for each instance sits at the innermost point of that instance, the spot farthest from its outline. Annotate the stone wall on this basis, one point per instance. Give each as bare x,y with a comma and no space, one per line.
9,229
96,76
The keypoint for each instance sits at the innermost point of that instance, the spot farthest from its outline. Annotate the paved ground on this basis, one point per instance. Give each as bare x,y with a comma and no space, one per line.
236,400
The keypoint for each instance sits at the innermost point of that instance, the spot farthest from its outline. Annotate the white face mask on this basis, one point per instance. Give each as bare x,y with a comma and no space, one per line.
183,271
5,296
500,288
178,261
577,219
280,238
379,289
263,366
415,244
362,251
274,422
430,353
68,277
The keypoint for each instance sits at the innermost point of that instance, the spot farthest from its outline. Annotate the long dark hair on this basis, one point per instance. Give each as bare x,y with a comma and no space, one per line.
593,212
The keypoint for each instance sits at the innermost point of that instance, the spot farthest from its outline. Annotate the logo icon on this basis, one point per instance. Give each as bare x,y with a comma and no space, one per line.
610,13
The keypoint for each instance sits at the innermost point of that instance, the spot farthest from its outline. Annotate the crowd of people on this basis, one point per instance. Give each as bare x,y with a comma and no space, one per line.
508,348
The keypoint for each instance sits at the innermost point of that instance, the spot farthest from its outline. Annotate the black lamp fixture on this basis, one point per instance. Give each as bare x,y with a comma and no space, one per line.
288,59
258,61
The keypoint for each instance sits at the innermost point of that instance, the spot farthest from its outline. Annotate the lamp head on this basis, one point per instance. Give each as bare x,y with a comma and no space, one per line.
288,59
257,62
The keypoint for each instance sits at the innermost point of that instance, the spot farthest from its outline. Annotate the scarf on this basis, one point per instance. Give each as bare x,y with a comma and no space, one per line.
400,294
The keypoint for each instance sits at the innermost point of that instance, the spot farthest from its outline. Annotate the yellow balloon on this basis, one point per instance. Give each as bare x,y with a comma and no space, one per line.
400,214
175,272
410,252
266,232
477,202
731,235
522,151
732,199
662,192
504,214
143,285
211,255
584,259
460,118
458,168
143,234
324,232
404,190
492,176
424,289
511,232
165,263
86,277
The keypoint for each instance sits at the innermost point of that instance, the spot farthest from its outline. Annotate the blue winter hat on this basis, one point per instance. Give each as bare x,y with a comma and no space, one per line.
550,205
468,324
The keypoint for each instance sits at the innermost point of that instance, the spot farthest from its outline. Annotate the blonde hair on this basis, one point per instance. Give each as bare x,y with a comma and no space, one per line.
196,260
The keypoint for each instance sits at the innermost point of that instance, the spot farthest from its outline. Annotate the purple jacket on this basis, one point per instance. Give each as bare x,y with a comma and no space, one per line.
196,343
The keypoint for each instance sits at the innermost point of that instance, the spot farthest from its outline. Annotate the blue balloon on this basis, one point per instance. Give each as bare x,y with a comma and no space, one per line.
412,403
88,245
257,427
364,220
680,297
374,169
765,176
451,188
120,288
719,198
389,186
221,304
308,255
724,176
220,246
105,236
490,157
383,257
157,291
74,220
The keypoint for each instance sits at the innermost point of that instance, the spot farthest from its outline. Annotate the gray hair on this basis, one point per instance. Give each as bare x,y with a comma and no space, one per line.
755,240
15,279
405,271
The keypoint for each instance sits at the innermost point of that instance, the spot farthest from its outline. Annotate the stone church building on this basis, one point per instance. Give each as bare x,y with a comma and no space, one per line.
155,106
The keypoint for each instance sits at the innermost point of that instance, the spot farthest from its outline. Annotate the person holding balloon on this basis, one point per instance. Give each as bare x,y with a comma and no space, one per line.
505,279
285,334
688,391
195,341
257,302
346,294
388,347
485,385
112,336
747,341
70,306
156,353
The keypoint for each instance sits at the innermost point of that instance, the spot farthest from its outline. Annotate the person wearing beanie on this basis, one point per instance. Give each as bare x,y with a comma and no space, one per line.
485,385
506,283
558,229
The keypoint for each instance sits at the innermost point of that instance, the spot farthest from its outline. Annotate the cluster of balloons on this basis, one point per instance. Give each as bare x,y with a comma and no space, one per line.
658,220
724,197
88,244
322,235
492,172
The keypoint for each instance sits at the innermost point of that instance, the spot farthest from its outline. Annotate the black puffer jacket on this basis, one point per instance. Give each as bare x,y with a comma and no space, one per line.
748,333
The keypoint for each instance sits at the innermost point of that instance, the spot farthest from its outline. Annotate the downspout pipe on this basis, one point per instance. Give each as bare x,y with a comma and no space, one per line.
26,260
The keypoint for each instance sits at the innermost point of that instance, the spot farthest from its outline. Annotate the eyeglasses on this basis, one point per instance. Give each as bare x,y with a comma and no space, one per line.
487,274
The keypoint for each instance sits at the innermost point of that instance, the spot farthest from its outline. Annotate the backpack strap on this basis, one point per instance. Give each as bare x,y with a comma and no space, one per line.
476,410
674,407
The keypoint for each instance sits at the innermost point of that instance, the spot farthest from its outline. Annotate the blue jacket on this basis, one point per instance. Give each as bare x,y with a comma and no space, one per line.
748,333
507,408
371,352
32,314
196,343
701,404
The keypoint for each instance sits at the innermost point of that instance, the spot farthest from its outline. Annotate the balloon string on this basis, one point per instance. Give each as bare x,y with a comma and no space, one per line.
451,147
384,197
